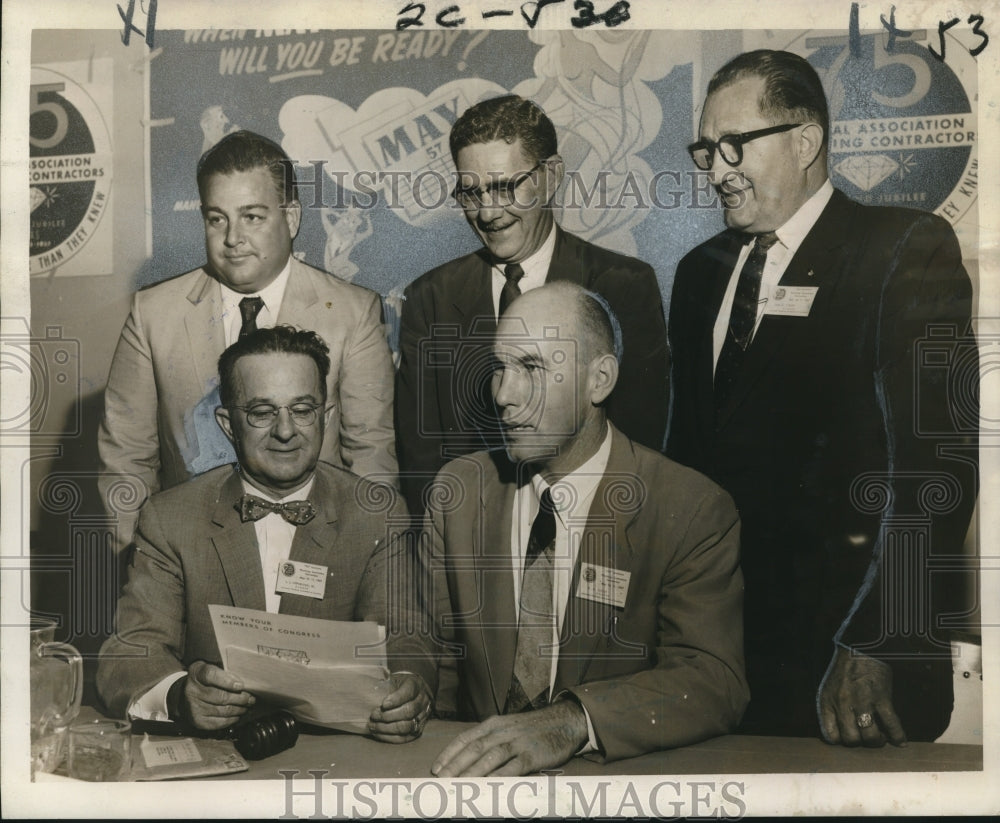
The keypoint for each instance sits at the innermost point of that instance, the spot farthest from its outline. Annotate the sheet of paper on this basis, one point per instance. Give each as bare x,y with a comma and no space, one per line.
338,697
171,758
330,673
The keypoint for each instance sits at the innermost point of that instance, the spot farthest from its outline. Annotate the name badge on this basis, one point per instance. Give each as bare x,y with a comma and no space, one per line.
168,752
791,301
603,585
295,577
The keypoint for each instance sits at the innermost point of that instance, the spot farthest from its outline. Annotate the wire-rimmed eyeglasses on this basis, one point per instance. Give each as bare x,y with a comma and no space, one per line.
500,193
263,415
730,146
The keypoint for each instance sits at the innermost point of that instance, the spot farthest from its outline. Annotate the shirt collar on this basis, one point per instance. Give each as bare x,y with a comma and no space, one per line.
795,229
271,294
298,494
571,494
536,265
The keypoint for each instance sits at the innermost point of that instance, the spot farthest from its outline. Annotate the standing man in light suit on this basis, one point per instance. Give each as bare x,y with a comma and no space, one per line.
509,170
590,585
162,390
799,386
223,536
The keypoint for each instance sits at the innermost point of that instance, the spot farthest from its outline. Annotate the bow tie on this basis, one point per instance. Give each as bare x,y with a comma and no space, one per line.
295,512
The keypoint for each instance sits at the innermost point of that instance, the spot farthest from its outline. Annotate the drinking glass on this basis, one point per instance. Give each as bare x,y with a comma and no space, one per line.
100,750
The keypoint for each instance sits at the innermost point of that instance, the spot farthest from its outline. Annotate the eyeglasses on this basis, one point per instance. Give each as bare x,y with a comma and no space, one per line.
263,415
730,146
500,194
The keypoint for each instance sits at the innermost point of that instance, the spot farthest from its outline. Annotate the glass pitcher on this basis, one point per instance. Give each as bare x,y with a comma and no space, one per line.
56,689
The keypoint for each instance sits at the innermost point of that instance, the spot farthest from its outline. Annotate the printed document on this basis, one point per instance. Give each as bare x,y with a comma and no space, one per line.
326,672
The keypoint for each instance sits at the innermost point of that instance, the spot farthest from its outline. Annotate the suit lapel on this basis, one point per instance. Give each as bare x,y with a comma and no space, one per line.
567,263
722,259
236,546
299,295
495,583
818,262
204,325
605,544
471,295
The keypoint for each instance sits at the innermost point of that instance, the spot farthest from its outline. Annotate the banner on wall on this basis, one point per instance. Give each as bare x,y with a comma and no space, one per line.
366,117
70,168
903,124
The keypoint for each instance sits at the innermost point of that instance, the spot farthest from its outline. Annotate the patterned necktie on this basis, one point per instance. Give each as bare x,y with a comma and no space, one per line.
529,687
295,512
742,318
513,274
249,309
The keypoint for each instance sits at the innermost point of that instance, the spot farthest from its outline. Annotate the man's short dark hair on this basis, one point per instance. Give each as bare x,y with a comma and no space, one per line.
275,340
792,88
246,151
509,118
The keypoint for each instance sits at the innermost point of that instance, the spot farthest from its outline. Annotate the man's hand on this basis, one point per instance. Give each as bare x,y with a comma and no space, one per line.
404,711
212,697
855,702
516,744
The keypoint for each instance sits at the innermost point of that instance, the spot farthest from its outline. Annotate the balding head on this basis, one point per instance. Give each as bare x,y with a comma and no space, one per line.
556,365
580,314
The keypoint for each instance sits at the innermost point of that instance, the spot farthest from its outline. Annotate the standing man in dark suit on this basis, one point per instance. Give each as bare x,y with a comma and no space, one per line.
800,386
223,536
591,586
509,169
163,387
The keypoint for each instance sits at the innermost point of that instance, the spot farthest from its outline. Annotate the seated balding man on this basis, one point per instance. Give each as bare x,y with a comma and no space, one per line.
590,587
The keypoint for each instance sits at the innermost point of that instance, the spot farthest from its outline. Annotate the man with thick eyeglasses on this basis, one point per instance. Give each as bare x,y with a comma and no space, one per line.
508,167
795,336
730,146
223,536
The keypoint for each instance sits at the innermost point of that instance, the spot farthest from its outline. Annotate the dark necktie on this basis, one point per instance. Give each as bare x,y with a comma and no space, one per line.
513,274
295,512
529,687
249,308
742,318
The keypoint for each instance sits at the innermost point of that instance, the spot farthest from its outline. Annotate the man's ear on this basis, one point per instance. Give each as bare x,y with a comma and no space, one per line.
602,374
810,144
293,217
225,423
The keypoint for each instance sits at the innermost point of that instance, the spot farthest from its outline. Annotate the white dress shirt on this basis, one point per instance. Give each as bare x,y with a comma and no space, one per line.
572,496
274,544
272,295
790,237
274,540
536,269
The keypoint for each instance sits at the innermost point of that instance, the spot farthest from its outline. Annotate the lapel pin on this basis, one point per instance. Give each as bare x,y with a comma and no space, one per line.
809,273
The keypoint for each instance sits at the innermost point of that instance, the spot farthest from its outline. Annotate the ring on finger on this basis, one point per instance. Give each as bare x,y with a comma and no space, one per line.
416,725
864,720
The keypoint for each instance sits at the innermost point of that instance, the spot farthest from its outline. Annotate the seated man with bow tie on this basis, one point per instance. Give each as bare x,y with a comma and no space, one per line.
221,537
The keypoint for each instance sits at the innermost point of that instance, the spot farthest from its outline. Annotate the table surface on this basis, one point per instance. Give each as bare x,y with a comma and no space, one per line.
349,756
354,756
